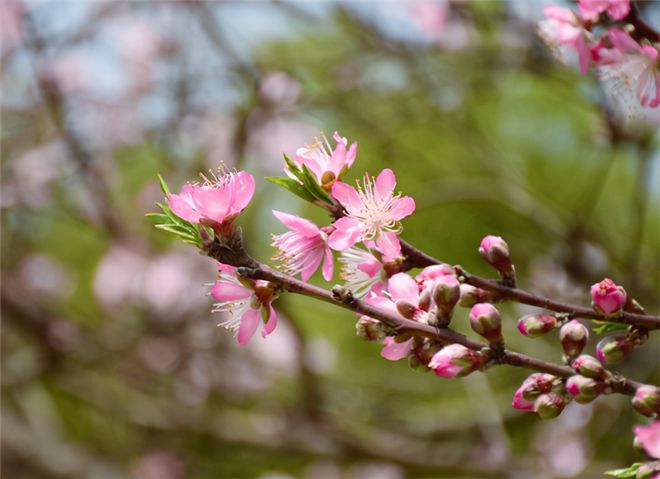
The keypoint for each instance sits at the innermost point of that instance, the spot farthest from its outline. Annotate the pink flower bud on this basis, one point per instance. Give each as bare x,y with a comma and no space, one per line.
584,389
446,292
607,298
495,251
471,296
531,388
590,367
536,325
647,401
614,349
573,336
549,406
485,320
648,470
455,360
370,329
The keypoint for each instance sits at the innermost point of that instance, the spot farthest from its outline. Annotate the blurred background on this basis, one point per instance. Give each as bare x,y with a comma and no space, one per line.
112,364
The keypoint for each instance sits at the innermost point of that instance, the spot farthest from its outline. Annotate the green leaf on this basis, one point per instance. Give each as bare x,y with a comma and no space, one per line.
293,186
163,185
157,217
624,473
175,230
313,187
174,218
607,326
293,168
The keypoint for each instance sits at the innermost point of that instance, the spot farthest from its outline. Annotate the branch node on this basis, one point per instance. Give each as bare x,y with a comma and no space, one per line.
342,294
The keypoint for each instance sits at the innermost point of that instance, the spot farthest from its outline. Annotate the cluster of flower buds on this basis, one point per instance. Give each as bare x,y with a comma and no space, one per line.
542,394
600,35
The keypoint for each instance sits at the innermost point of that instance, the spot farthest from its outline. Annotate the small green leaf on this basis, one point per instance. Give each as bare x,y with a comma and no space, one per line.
157,217
176,231
628,472
607,326
313,187
293,186
163,185
293,168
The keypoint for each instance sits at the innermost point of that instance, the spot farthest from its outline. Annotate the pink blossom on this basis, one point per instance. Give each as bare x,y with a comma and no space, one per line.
326,163
246,303
362,272
214,202
303,248
563,28
618,9
402,300
631,64
428,276
372,211
649,438
608,298
455,360
394,351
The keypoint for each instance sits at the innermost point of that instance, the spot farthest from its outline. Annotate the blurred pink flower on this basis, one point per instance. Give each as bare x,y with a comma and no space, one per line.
11,25
618,9
303,247
649,438
279,88
215,203
564,28
246,305
372,210
159,465
631,65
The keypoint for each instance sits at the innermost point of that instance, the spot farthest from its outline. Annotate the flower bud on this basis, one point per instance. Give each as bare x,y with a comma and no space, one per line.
573,336
614,349
471,296
495,251
536,325
607,298
531,388
485,320
550,405
446,292
584,389
455,360
590,367
647,401
405,309
370,329
421,355
648,470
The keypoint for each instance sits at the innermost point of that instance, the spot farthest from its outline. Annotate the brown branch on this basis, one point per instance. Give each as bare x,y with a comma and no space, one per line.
249,268
418,259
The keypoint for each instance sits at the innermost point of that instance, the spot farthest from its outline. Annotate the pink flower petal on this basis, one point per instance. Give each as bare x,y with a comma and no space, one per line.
622,41
403,287
338,158
270,325
402,207
389,245
312,264
394,351
249,323
182,204
382,303
214,203
224,291
385,183
296,223
244,190
351,154
328,266
347,233
649,437
619,9
347,196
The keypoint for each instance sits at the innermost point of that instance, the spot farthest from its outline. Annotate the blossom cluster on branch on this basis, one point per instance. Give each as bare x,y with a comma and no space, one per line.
410,315
609,36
